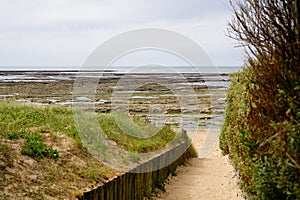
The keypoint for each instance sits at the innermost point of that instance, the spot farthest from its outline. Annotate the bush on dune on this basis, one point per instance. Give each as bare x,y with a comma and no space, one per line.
265,151
262,130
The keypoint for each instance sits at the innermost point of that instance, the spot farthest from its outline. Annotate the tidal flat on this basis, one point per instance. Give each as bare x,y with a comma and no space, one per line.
155,96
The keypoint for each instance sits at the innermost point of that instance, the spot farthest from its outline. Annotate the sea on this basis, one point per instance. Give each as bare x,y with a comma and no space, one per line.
213,75
129,69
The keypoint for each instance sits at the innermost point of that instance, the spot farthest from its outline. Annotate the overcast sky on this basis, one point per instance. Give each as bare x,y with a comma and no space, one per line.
65,32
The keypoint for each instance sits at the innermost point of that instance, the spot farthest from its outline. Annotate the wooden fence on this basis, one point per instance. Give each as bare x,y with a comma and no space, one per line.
139,182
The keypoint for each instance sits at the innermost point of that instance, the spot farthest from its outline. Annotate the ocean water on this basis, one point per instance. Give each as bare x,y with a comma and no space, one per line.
132,69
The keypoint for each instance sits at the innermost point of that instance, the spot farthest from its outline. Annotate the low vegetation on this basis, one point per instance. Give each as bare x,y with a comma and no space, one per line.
261,133
265,152
36,148
41,154
134,142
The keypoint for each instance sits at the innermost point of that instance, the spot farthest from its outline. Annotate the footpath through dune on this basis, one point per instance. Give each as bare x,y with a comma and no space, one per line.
209,178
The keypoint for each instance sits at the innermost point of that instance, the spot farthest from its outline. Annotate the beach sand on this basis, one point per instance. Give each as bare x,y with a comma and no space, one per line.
209,178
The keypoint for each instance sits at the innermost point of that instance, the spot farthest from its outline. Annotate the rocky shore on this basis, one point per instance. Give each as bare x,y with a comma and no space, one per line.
148,95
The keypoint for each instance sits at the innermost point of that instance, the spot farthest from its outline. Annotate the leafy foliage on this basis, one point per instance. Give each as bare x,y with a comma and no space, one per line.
264,150
35,147
262,131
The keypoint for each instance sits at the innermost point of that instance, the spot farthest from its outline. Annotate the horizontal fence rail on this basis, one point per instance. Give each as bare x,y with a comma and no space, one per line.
139,182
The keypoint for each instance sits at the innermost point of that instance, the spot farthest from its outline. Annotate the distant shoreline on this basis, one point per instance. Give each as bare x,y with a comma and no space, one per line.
145,90
106,72
126,69
52,70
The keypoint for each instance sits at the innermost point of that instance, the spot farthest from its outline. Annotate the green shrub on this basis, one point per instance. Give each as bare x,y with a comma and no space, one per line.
261,131
262,137
36,148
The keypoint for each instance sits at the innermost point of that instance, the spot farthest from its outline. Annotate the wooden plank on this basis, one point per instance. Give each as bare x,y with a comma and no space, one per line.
136,185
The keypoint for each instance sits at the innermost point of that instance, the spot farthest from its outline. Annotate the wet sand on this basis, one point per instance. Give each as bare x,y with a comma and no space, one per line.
146,94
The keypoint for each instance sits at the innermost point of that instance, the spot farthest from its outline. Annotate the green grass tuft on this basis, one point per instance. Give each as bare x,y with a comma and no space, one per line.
38,149
135,144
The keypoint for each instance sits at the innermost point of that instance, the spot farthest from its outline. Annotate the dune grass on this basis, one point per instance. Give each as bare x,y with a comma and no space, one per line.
57,164
24,121
128,135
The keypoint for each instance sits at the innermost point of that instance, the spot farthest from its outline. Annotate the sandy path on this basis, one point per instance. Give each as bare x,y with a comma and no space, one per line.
206,178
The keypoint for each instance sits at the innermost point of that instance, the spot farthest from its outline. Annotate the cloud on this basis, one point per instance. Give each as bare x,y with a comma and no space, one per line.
64,32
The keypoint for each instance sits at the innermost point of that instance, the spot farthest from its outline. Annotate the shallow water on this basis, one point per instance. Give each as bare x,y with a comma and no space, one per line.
208,89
